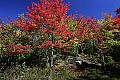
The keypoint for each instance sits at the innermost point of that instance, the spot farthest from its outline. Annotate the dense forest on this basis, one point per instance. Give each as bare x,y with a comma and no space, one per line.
47,44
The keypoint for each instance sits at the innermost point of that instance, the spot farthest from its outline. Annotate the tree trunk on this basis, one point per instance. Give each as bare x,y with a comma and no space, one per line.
51,57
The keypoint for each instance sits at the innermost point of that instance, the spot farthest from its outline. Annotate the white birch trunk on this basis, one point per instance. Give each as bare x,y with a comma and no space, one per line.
51,57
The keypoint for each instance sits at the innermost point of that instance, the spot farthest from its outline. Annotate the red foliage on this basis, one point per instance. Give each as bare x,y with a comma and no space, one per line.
48,12
67,34
57,44
63,32
51,17
45,44
116,22
48,16
17,49
87,28
25,24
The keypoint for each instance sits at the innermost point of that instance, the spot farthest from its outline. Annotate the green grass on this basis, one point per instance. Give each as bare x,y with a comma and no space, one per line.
22,72
27,73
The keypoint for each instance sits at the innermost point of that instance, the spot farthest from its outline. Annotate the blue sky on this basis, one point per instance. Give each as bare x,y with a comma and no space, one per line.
11,8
